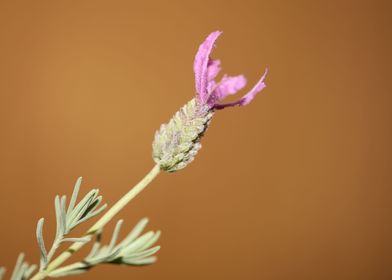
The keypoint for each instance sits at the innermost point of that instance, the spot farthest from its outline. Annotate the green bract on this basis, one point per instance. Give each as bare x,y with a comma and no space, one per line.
177,142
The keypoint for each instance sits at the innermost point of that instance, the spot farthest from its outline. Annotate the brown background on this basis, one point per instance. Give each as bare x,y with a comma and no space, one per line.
295,186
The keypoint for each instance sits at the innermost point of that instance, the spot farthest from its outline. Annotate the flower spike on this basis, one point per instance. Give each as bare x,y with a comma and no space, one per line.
177,142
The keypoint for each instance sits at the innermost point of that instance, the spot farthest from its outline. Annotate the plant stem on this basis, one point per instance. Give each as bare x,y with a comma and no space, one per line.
100,223
56,244
62,271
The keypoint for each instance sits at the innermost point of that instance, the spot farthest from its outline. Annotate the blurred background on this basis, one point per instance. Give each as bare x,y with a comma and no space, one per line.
297,185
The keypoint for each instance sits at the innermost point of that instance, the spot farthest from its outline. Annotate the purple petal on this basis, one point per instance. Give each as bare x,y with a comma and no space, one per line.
213,69
247,98
229,85
200,66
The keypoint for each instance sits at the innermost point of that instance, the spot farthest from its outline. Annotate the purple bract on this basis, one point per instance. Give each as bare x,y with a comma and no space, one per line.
210,92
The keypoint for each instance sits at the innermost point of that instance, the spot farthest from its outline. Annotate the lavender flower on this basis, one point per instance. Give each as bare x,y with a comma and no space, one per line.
177,142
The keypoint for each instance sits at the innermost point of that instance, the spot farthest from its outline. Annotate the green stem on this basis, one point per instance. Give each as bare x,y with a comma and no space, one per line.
100,223
63,271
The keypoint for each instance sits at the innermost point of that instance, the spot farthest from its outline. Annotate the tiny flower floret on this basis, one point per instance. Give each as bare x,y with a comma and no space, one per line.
210,92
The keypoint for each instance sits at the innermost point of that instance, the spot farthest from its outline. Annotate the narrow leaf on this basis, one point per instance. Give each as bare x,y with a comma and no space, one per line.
98,211
116,232
59,222
80,208
29,271
96,246
91,215
18,265
143,254
145,261
71,269
41,244
135,232
104,256
152,241
19,274
138,243
63,214
74,196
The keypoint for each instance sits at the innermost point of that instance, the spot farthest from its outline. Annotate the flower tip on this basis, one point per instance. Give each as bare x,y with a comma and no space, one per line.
217,32
210,40
260,85
213,36
265,73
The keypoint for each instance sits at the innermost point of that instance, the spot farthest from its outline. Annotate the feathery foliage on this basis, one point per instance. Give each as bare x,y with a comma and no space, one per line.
68,219
134,249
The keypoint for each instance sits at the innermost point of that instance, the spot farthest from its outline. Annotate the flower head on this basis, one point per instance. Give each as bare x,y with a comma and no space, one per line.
177,142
